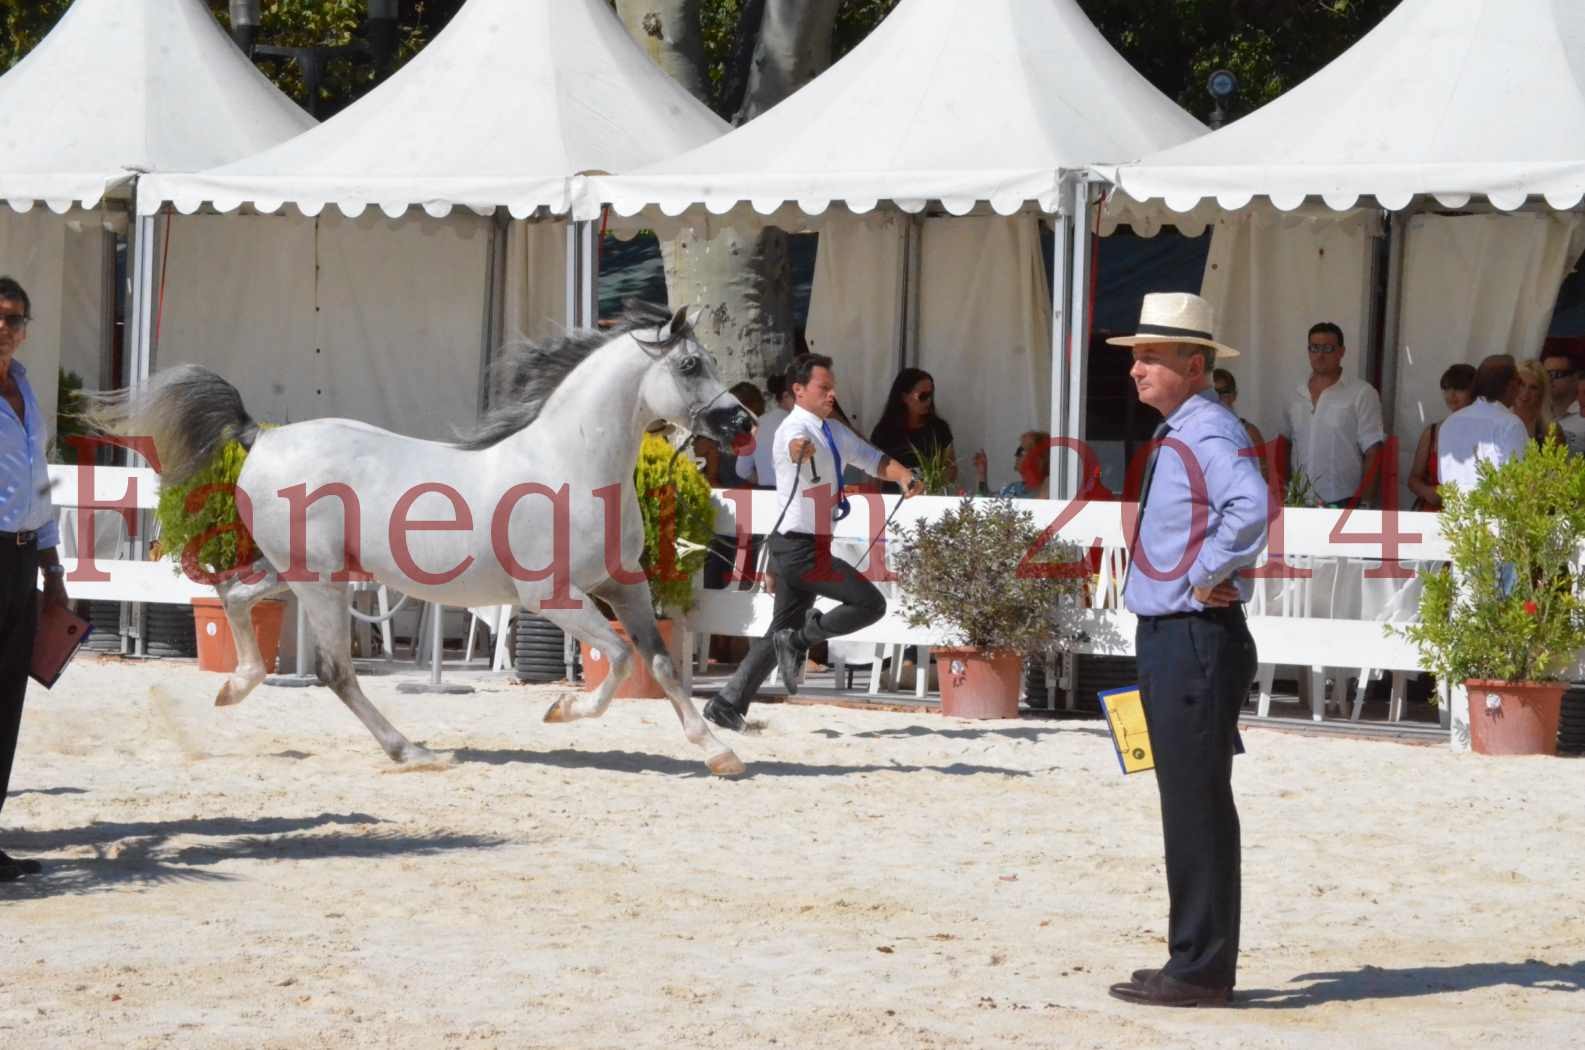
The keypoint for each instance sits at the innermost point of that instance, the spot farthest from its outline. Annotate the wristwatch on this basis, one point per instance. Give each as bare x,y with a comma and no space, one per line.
55,570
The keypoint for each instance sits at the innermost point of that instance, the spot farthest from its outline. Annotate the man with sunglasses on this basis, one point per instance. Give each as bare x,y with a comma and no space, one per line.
28,536
1331,426
801,543
1565,392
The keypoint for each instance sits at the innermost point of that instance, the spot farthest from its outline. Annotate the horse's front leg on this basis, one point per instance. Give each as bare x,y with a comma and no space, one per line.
587,625
238,599
633,606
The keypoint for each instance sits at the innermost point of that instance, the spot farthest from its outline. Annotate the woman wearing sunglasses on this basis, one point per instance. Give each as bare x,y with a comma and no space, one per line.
909,429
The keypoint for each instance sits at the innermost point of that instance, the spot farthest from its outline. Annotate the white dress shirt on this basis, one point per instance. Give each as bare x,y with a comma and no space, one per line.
1486,432
800,422
1572,424
762,464
1332,433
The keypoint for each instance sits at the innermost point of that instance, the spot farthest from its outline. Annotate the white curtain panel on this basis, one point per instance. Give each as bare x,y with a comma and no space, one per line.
536,280
1474,285
855,308
1270,277
370,318
985,334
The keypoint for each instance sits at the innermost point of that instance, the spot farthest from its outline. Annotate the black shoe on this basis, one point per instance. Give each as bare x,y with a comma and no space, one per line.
724,714
789,659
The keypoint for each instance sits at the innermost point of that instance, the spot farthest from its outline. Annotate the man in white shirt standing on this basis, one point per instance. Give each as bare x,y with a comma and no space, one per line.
1565,384
759,468
1331,426
805,567
1486,431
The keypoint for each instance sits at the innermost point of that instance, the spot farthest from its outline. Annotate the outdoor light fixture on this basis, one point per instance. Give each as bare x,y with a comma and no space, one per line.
245,24
1222,85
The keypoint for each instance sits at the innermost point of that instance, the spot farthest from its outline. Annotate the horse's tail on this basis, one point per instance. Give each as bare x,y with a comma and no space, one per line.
188,411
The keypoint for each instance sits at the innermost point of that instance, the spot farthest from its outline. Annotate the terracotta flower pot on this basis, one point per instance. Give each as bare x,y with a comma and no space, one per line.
217,650
979,685
639,684
1514,718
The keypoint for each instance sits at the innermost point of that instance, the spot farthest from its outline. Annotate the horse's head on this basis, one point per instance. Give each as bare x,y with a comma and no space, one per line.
683,387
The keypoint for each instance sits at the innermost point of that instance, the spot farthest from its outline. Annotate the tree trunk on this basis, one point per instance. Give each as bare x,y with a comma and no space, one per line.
794,47
742,282
669,32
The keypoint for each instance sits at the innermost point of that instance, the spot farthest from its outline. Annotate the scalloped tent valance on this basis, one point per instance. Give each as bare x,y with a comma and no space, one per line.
123,87
959,101
503,109
1455,100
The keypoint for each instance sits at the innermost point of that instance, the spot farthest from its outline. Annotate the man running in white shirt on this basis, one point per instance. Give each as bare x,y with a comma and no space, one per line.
801,544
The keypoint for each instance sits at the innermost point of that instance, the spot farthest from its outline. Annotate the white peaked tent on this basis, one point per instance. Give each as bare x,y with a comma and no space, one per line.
119,88
1469,106
961,107
389,317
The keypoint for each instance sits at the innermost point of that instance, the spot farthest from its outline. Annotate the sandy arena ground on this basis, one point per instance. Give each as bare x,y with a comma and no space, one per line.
260,877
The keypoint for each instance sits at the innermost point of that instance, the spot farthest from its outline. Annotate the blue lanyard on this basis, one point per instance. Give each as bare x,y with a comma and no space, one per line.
843,507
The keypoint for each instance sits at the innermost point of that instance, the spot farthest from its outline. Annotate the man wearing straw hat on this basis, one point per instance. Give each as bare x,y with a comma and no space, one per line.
1202,519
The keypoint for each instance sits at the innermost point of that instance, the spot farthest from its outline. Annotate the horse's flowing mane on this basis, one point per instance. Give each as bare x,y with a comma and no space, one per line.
527,373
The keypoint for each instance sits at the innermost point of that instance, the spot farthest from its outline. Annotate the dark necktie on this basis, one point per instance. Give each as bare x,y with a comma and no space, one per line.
1144,490
843,507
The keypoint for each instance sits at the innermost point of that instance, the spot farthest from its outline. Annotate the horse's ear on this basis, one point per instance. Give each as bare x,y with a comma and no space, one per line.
680,326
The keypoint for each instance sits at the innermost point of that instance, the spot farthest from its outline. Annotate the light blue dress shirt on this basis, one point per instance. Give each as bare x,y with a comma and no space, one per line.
1204,518
25,504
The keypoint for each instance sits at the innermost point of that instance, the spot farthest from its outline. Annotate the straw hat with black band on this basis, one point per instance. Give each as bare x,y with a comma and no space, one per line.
1175,317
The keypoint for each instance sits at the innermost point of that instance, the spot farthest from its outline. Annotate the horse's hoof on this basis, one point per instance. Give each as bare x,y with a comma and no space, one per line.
228,697
726,764
414,755
557,712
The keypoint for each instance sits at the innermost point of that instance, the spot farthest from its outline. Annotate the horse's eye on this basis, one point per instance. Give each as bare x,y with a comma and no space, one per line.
689,365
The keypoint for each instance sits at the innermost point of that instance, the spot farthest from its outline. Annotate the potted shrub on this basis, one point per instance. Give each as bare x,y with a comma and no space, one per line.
199,522
1508,619
674,500
980,574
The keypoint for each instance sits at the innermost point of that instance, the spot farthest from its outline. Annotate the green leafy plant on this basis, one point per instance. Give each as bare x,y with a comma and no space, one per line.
68,416
203,509
980,572
934,469
674,499
1510,609
1300,492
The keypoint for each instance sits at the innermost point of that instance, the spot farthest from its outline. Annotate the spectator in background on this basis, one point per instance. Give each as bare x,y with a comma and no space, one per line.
1227,393
1533,403
1458,390
1573,424
758,468
910,430
1563,381
1331,426
1486,431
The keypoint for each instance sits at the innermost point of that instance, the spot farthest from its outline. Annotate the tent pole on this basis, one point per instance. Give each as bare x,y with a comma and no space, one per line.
916,266
139,364
581,276
494,304
1079,322
1061,252
1397,241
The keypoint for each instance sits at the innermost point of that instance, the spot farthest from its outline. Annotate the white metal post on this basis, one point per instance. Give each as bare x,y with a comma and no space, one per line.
1078,329
1062,230
582,278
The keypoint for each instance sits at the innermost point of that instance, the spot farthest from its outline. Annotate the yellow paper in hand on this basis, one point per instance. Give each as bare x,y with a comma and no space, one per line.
1125,717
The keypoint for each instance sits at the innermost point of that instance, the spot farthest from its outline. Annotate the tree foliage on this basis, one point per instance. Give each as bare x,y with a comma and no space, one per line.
1271,45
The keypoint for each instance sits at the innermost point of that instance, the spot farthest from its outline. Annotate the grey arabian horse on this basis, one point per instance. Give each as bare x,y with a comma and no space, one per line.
536,508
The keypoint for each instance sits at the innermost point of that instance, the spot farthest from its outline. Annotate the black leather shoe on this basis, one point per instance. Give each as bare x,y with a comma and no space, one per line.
1142,976
1161,990
26,867
789,659
724,714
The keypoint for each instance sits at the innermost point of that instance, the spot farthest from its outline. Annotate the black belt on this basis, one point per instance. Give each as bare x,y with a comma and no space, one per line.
1219,613
20,539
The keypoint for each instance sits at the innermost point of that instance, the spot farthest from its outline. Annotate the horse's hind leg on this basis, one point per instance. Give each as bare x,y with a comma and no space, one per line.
325,607
239,598
634,608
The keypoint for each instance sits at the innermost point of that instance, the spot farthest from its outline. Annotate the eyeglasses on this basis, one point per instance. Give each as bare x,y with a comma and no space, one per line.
1560,373
15,322
1323,348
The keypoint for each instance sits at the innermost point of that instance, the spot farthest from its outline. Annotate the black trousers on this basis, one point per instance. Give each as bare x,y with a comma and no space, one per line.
1194,675
805,570
18,620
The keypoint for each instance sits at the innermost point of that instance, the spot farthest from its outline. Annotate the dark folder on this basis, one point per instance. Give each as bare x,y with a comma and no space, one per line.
60,632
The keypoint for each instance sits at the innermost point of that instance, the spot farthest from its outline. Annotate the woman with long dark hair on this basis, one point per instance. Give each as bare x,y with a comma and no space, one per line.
909,428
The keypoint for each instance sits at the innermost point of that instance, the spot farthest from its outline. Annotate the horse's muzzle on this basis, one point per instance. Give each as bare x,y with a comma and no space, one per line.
729,422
